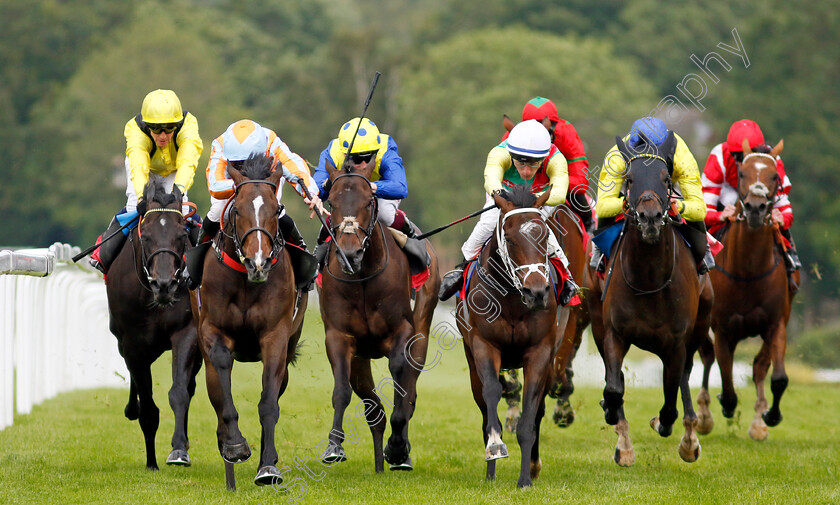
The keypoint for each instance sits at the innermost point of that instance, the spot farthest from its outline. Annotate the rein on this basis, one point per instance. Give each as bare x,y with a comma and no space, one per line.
670,277
511,268
371,276
147,258
277,241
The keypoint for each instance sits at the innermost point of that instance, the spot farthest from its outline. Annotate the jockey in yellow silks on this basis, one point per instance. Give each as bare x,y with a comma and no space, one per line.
162,142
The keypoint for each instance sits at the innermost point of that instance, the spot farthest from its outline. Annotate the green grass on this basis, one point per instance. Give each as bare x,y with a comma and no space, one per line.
79,448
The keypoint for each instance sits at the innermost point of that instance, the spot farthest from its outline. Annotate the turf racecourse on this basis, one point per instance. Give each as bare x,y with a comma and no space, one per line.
79,449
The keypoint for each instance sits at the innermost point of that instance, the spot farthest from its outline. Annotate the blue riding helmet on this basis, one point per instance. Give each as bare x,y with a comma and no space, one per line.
653,128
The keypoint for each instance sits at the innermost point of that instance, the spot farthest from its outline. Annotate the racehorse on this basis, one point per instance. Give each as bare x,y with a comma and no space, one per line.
367,314
751,290
509,318
248,310
653,299
149,307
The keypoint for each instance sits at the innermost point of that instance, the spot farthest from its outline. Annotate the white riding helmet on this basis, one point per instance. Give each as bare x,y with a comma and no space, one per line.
244,139
529,139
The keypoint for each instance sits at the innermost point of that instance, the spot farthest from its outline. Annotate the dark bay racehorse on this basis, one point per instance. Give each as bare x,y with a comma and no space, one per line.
752,296
569,232
509,319
654,300
149,307
247,310
367,315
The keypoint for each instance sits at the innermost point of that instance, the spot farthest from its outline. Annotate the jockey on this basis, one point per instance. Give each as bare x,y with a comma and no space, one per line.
526,157
720,183
242,140
162,143
567,140
388,179
685,174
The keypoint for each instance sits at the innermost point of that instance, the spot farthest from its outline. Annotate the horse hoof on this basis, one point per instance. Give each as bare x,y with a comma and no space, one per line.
178,457
758,430
396,457
334,454
512,419
664,431
564,414
236,453
688,455
405,466
268,475
771,418
624,458
496,451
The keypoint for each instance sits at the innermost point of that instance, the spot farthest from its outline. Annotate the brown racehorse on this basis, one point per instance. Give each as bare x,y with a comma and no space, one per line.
367,315
654,300
149,307
247,310
752,292
509,319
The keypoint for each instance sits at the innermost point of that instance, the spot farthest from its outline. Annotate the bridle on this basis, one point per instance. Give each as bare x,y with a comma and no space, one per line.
146,259
631,211
512,269
277,241
350,224
758,188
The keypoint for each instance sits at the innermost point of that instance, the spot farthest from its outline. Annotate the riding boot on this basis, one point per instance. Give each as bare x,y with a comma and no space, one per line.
195,256
104,256
707,264
791,257
408,228
208,231
452,281
580,206
597,262
303,263
194,229
322,247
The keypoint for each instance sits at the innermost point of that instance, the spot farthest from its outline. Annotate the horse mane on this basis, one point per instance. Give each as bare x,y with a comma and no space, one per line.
160,195
520,195
257,167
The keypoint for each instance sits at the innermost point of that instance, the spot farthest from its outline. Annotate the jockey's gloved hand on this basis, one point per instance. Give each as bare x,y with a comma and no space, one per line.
141,206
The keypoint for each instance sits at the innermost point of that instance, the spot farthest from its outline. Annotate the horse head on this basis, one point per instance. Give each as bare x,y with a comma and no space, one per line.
354,209
648,184
253,223
522,237
163,239
758,183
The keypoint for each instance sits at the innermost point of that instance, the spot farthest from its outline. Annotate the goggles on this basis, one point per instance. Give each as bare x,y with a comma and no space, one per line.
357,158
527,160
162,128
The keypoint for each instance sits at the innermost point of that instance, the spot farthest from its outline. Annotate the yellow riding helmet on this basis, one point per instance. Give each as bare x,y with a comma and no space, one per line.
161,106
366,140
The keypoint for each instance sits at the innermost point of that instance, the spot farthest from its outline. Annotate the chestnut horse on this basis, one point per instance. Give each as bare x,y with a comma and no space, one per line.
149,307
367,314
509,318
247,310
653,299
752,292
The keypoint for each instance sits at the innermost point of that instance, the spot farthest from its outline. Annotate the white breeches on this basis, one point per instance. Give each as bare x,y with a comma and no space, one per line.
486,225
387,210
131,196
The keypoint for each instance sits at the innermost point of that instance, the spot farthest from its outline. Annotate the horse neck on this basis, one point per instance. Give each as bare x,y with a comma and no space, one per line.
495,275
748,249
647,264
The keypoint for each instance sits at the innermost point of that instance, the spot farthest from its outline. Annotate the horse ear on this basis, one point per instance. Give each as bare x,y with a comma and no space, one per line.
622,148
149,192
179,196
745,145
777,150
332,172
276,175
507,122
547,123
543,197
235,174
501,202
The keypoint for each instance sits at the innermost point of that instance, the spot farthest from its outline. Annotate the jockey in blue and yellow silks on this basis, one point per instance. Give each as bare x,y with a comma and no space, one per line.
686,177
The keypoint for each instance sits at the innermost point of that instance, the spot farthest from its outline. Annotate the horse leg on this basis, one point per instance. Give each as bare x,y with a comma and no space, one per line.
779,379
535,371
564,413
149,415
689,448
404,375
218,366
758,428
499,450
132,408
672,373
724,352
185,355
624,454
705,421
511,387
273,346
362,383
613,351
339,352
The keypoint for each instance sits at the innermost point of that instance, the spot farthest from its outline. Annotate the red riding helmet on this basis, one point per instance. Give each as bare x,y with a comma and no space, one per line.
538,108
744,129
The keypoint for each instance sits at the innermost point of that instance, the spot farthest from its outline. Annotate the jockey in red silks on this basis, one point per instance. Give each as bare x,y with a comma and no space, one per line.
566,139
720,183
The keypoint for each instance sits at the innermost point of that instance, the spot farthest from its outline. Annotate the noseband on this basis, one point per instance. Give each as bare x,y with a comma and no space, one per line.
756,190
512,269
350,224
277,241
147,258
